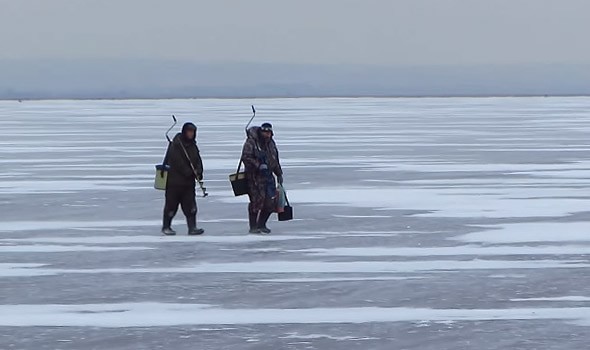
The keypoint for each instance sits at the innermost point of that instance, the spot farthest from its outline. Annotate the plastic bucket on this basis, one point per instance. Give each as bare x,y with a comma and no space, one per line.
161,177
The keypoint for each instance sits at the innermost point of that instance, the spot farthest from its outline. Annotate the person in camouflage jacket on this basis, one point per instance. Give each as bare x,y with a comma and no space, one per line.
261,159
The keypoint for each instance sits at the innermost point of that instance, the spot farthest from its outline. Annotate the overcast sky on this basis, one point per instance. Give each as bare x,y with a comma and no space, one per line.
386,32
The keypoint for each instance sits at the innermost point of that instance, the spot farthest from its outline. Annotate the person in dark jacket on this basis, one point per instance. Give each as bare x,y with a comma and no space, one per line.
185,166
261,159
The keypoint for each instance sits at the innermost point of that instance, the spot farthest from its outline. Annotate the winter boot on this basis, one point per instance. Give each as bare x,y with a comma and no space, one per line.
167,226
252,218
262,219
168,231
192,226
196,231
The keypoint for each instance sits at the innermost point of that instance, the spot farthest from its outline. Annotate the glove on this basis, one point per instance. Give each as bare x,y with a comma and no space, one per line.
199,177
280,179
263,167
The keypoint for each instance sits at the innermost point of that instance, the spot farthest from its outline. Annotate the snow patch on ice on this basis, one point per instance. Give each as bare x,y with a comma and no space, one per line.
452,202
478,167
447,251
532,232
63,249
14,226
566,298
324,336
562,173
157,239
365,233
508,276
275,267
20,265
22,270
126,315
363,216
337,279
70,186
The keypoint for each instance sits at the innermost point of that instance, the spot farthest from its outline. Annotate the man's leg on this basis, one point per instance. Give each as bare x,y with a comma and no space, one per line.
256,209
173,196
253,212
265,213
189,208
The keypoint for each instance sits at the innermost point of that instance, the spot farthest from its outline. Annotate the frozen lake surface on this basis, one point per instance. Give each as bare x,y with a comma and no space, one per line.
427,224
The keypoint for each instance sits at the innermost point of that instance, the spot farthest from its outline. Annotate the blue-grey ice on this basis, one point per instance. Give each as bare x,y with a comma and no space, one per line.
428,224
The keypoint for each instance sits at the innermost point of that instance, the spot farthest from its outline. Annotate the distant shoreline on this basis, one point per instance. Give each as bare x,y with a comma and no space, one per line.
65,98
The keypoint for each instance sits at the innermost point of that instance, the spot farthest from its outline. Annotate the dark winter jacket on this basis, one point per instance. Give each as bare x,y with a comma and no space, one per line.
181,173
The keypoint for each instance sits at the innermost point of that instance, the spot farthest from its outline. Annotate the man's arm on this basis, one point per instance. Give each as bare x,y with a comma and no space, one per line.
199,165
249,157
278,169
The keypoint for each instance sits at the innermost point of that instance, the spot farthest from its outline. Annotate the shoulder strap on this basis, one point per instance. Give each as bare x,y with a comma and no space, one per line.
285,193
188,158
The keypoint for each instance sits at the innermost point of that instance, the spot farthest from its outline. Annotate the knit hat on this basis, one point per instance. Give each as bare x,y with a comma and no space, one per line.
266,127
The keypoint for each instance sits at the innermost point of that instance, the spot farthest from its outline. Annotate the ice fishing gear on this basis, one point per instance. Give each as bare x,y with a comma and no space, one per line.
162,169
199,180
203,188
251,119
281,199
169,129
287,213
197,177
161,177
238,180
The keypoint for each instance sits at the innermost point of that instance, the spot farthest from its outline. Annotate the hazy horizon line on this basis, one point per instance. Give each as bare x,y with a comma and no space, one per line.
289,97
